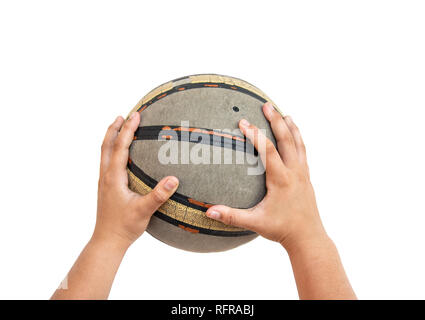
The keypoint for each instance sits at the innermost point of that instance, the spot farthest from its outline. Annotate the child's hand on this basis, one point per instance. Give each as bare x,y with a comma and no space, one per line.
288,213
123,215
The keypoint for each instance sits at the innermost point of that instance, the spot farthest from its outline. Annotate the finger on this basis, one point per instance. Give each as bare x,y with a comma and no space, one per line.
267,151
299,143
285,141
108,142
123,141
243,218
161,193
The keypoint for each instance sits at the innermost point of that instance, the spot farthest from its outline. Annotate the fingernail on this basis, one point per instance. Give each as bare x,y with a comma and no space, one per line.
244,123
269,108
214,214
132,115
288,118
171,183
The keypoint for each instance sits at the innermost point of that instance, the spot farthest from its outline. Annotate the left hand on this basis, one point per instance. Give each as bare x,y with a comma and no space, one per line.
123,215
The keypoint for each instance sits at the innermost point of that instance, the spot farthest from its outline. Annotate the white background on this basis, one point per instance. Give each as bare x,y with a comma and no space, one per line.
350,73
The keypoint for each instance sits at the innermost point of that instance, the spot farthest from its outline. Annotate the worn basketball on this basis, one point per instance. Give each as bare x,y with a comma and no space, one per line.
189,129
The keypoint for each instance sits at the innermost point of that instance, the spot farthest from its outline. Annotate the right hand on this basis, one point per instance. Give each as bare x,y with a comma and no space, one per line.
288,213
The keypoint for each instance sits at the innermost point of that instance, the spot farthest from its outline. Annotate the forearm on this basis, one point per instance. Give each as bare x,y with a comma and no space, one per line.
94,271
318,270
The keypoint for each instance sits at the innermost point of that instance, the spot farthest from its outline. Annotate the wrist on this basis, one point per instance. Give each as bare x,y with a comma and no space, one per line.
309,245
307,239
112,242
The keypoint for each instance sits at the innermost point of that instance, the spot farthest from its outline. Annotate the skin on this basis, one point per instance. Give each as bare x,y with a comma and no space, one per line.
122,217
288,214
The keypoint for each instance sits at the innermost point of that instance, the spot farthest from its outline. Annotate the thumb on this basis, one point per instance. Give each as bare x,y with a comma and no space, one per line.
242,218
161,193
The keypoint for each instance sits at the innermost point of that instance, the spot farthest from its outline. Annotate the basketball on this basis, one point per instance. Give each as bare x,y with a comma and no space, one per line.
189,129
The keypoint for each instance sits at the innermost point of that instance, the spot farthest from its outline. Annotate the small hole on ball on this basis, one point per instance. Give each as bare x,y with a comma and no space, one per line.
236,109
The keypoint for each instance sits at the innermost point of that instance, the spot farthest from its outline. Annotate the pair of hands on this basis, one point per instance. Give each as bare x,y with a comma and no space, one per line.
288,213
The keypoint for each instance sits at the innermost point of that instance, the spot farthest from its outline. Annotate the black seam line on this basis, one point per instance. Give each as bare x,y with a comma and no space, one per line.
182,199
157,133
207,85
150,182
211,232
172,127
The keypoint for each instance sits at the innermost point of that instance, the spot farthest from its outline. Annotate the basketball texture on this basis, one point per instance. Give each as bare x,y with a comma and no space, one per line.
196,119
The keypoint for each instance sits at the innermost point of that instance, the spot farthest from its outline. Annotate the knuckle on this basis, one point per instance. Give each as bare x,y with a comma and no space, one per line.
126,126
269,148
229,219
285,135
293,125
288,121
281,182
119,144
159,196
286,138
108,179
